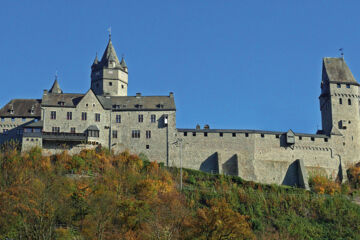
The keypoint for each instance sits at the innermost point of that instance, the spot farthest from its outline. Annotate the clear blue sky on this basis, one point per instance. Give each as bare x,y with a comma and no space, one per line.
231,64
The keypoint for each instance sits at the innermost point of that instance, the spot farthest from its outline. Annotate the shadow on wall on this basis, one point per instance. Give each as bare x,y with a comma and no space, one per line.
230,167
296,175
211,164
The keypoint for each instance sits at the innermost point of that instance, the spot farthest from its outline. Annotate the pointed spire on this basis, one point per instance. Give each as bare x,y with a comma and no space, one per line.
55,87
110,54
123,63
96,60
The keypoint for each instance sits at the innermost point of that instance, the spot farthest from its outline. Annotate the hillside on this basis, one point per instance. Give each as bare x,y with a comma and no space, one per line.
99,195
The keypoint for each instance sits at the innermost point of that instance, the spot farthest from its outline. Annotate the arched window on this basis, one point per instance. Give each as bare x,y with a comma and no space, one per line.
340,100
349,101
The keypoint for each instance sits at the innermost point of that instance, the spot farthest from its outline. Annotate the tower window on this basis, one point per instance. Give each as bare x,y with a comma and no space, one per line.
153,118
97,117
205,134
246,134
148,134
185,134
110,83
118,118
122,86
147,146
349,101
69,115
262,135
194,134
84,116
325,140
141,118
234,134
114,133
312,139
221,134
338,85
340,101
347,85
52,115
135,134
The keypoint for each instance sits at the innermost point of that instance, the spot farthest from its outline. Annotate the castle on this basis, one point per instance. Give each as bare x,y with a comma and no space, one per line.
105,115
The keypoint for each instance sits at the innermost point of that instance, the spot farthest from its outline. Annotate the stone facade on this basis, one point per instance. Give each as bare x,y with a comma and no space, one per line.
106,116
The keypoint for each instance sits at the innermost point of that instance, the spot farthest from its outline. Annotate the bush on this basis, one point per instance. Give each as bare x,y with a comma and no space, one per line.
354,175
323,185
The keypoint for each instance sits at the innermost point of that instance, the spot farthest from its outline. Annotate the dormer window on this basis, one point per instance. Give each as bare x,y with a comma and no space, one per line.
139,106
61,103
161,106
338,85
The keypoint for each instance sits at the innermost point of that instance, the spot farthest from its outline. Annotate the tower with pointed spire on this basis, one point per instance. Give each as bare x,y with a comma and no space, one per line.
109,76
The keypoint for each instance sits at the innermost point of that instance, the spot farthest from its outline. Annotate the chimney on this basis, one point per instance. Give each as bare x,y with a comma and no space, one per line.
138,94
171,94
45,91
197,127
206,126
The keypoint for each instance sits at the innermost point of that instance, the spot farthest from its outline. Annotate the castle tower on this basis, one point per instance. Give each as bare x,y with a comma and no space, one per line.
339,105
109,77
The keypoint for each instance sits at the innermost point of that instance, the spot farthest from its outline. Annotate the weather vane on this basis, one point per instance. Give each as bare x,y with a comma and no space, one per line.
341,52
109,30
56,75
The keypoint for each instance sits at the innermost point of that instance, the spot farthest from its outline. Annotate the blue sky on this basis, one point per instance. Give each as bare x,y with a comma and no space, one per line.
231,64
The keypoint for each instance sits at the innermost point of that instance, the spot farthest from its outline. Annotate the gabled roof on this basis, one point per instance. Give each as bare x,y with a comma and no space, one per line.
55,88
61,100
22,108
335,70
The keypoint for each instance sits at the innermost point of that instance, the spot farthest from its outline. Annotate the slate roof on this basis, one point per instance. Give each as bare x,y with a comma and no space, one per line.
61,100
22,108
38,124
248,131
138,103
336,71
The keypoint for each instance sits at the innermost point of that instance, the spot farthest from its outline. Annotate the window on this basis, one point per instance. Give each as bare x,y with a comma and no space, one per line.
52,115
262,135
340,100
23,119
97,117
135,134
55,129
326,140
347,85
349,101
300,137
312,139
147,146
338,85
185,134
13,119
194,134
148,134
5,131
221,134
69,115
3,119
72,130
141,118
234,134
122,86
277,136
153,118
118,118
83,116
205,134
93,133
246,134
110,83
114,133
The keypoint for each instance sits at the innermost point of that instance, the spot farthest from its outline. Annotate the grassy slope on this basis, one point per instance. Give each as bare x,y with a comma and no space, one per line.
278,212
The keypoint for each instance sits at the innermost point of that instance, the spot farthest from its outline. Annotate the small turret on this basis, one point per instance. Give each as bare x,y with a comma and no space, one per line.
123,64
55,87
96,62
